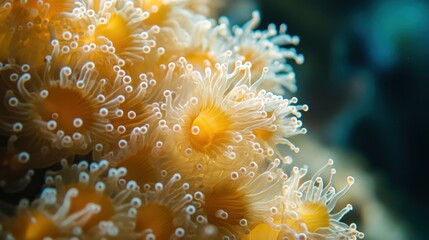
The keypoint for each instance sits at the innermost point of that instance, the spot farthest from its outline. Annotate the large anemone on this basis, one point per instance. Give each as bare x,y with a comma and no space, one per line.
53,115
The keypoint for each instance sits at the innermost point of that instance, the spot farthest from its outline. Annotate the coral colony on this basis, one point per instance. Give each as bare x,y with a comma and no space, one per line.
180,120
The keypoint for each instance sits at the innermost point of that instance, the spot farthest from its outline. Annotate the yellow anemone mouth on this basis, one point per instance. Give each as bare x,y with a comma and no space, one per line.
209,128
158,218
263,231
117,31
314,215
87,195
33,225
139,167
263,134
69,108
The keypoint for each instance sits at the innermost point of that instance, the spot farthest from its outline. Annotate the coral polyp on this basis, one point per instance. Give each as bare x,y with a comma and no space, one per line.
81,200
266,49
239,201
114,34
54,115
309,205
166,211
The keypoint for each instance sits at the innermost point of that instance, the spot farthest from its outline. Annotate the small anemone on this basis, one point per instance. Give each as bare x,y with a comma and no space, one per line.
110,34
264,49
283,123
162,12
131,118
158,9
30,224
143,156
82,200
308,208
237,202
173,20
133,112
206,47
166,211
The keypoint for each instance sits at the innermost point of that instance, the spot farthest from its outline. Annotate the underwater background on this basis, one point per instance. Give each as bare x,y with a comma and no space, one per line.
366,78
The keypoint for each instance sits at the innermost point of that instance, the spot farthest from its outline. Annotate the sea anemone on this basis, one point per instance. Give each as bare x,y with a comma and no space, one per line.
166,211
308,208
145,157
113,33
209,124
174,20
206,47
56,115
82,200
131,114
213,122
235,202
263,49
283,124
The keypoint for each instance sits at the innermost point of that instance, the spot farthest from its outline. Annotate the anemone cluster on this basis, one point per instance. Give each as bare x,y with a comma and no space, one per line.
180,118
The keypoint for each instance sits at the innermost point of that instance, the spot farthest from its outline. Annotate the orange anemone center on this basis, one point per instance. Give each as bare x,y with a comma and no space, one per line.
87,195
158,218
225,198
263,231
69,105
117,31
209,128
32,225
156,17
314,215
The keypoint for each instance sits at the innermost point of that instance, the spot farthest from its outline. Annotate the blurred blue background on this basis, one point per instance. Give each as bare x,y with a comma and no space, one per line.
366,80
